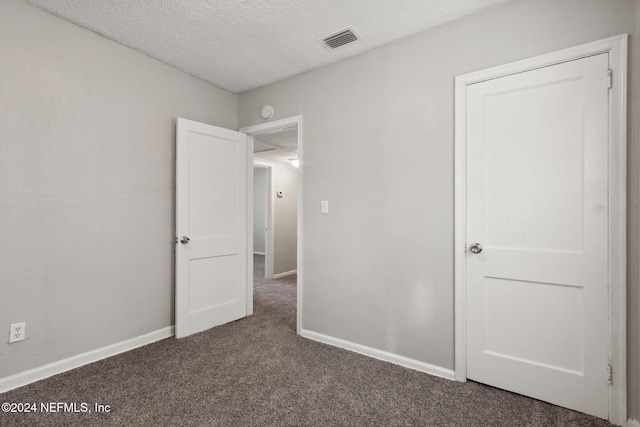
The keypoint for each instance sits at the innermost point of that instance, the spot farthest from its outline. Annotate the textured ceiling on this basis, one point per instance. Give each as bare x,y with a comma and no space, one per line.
279,146
243,44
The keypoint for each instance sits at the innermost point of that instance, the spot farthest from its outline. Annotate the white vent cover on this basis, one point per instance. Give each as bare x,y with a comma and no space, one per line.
340,38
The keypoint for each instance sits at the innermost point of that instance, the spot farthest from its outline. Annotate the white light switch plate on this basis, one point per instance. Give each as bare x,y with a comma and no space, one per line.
324,206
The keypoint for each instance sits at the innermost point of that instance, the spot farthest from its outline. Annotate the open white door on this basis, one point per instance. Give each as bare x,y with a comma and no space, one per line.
211,225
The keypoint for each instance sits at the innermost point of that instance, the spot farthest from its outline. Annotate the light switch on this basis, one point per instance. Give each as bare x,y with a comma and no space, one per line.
324,207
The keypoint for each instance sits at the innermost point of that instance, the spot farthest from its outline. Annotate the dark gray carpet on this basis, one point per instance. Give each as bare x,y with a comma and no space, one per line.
258,372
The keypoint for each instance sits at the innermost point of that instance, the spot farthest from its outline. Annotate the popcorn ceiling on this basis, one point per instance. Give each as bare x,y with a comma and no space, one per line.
243,44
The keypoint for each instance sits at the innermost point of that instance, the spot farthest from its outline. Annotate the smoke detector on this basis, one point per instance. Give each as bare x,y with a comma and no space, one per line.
340,38
267,112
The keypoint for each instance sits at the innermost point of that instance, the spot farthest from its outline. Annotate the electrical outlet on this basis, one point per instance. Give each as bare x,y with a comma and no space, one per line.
17,332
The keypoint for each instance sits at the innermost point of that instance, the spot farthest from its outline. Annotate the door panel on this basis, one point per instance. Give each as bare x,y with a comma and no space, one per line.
214,172
537,301
526,208
211,210
553,341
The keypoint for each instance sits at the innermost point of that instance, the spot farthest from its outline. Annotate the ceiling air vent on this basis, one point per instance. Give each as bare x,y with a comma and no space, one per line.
341,38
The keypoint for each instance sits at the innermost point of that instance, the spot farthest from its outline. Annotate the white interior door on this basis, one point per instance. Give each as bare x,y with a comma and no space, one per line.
212,227
537,203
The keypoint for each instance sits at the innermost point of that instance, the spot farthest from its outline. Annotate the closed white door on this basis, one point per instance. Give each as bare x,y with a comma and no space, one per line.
537,205
211,224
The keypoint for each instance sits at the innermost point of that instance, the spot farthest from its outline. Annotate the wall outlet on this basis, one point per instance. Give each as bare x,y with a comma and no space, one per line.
17,332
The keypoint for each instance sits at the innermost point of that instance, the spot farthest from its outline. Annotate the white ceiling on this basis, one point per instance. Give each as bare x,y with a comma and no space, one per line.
279,147
239,45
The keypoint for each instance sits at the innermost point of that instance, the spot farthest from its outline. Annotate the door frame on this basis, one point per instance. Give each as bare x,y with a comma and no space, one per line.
251,131
616,47
269,237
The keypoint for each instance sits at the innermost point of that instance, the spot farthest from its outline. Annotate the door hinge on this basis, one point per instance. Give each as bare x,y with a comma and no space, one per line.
609,373
609,79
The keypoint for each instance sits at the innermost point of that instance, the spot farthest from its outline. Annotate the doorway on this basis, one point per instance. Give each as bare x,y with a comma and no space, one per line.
263,214
277,148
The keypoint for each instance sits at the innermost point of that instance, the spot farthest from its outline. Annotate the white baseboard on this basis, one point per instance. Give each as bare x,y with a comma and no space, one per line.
381,355
259,253
45,371
286,273
632,422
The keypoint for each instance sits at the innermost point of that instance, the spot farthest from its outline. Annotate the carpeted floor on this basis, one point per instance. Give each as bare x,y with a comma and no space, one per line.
258,372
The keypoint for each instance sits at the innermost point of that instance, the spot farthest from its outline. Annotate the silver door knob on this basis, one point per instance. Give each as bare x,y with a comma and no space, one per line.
475,248
184,240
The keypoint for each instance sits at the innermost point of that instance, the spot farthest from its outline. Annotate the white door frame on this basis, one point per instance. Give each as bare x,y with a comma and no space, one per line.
269,237
283,124
616,47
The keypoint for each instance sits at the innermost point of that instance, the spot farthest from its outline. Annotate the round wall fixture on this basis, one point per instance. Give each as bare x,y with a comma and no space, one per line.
267,112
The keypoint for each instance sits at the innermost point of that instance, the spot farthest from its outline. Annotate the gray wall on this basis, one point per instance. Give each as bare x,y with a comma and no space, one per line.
378,144
87,178
285,219
259,208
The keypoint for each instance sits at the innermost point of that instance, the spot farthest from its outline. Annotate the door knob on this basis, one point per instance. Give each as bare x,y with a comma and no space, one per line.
475,248
184,240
